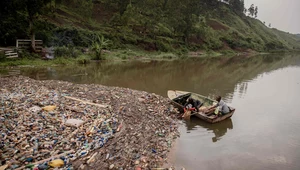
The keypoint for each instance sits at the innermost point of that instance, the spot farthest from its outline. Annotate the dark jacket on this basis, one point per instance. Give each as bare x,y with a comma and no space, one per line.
195,103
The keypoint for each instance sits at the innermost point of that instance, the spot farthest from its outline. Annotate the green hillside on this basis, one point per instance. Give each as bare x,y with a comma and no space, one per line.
152,25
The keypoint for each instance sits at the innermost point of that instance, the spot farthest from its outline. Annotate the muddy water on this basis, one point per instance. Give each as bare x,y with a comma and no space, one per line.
262,134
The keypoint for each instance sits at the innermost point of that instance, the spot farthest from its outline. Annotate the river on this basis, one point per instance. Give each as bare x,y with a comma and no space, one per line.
262,134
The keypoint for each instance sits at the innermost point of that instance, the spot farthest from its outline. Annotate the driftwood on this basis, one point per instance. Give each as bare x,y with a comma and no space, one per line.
48,159
87,102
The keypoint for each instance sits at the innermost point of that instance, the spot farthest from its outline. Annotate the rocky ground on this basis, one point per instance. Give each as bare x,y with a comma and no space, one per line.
55,124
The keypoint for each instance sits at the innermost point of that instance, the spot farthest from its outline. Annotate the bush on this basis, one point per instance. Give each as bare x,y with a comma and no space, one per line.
27,55
83,59
72,37
161,29
98,45
124,57
209,36
228,52
164,47
274,45
66,52
166,55
61,61
214,43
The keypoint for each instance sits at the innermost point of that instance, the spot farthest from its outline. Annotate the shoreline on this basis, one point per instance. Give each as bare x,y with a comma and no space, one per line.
141,124
127,55
171,156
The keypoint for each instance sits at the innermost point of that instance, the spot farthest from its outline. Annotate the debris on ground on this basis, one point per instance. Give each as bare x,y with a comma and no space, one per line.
61,125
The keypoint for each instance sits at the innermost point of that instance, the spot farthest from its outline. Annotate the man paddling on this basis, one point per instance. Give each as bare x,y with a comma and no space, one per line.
222,107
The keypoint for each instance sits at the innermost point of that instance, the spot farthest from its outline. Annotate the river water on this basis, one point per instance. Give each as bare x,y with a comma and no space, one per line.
262,134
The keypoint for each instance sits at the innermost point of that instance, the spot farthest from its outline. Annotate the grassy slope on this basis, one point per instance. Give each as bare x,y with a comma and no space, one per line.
255,33
235,32
290,40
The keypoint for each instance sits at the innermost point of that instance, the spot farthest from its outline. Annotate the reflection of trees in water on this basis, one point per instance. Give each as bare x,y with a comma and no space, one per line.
205,76
37,73
219,129
241,88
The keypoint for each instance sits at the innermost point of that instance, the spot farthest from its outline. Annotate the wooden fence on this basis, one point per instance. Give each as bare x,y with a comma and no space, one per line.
26,44
11,54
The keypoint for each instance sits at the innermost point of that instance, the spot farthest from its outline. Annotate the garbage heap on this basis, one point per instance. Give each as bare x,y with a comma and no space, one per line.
55,124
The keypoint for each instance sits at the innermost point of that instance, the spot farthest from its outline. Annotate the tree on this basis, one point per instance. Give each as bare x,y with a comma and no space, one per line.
6,13
13,22
256,11
270,25
32,10
237,5
98,45
245,11
251,10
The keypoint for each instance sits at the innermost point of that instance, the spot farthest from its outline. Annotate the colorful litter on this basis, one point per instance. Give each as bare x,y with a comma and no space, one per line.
54,124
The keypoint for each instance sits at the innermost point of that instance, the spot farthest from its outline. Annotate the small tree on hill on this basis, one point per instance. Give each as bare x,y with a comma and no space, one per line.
256,11
251,10
245,11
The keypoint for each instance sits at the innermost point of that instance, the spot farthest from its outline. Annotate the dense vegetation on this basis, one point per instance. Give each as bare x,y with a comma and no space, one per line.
152,25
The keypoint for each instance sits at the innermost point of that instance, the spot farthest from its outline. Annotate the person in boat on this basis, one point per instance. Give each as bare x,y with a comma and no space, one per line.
192,104
221,106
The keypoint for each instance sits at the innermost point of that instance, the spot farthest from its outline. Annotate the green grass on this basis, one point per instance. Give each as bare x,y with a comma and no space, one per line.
137,54
82,59
115,55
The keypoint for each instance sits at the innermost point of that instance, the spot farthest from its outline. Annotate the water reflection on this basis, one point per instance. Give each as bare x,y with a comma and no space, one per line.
207,76
219,129
241,88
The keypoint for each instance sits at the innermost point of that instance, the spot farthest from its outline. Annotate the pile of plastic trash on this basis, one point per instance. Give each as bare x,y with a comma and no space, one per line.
54,124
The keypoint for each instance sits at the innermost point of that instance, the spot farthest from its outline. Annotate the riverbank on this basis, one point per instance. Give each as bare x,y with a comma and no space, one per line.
122,128
130,55
118,55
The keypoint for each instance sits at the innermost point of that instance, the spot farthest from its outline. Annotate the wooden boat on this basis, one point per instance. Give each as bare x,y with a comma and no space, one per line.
179,98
